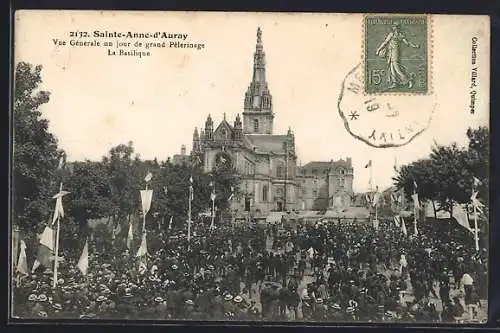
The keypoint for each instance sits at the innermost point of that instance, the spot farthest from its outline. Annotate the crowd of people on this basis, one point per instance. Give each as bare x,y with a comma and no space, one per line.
336,271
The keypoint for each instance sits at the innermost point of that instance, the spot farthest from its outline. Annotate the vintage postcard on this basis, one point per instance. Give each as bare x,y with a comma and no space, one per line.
278,167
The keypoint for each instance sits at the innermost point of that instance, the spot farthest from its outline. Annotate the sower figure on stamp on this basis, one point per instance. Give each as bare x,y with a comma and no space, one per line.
390,48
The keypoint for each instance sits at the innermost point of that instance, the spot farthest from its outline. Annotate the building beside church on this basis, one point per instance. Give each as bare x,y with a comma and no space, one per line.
267,162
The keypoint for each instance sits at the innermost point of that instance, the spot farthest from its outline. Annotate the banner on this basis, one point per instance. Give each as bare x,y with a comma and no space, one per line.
83,263
22,264
146,197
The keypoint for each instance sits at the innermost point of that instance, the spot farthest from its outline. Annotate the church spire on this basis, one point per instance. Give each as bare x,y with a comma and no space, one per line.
258,106
259,62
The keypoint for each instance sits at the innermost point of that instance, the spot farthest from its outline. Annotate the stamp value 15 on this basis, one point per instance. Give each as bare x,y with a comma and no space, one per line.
396,54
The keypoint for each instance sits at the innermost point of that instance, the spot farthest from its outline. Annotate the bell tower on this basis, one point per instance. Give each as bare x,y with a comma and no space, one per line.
258,113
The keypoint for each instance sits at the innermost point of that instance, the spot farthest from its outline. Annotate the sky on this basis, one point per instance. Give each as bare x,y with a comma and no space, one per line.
99,101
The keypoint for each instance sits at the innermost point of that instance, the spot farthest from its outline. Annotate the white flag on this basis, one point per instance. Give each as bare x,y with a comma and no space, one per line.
476,182
83,263
475,202
47,238
59,211
397,221
376,197
416,204
130,235
148,177
143,249
170,223
22,263
146,197
403,227
212,196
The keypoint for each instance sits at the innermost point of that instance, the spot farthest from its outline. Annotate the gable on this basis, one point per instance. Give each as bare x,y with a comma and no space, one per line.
224,131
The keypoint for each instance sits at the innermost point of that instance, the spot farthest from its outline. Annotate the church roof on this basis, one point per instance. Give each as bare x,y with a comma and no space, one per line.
267,143
323,165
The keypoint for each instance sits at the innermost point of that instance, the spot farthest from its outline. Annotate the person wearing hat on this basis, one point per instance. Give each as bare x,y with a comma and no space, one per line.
57,310
228,304
39,306
189,309
306,306
319,310
241,308
217,302
203,301
27,309
335,312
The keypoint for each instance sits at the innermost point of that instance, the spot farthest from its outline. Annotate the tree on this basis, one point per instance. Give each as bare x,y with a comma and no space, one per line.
447,175
90,191
35,151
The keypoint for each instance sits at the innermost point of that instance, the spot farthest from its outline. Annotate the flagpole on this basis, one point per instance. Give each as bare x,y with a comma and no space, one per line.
415,219
212,225
189,213
371,176
476,236
54,283
56,257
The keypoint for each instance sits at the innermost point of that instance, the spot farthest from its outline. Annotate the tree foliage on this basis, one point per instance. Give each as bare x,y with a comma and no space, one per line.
447,175
35,150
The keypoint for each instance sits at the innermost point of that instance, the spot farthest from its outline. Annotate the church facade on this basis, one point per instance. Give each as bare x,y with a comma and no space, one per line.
271,180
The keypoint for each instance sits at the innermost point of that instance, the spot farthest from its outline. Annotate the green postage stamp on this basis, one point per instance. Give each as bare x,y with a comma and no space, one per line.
396,54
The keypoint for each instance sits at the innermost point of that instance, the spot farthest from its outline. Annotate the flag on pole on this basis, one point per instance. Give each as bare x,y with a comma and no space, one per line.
170,223
148,177
59,210
83,263
376,197
61,163
369,164
475,202
368,200
416,204
130,235
143,249
22,263
476,182
146,197
212,196
45,249
397,221
403,227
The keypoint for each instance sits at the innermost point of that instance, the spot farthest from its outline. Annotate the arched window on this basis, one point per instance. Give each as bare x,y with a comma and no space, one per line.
265,190
256,125
223,133
279,171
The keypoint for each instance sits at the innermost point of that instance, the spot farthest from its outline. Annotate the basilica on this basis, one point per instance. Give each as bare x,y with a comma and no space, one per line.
267,162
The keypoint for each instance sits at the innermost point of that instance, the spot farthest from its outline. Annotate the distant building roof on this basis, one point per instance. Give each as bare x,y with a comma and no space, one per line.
267,143
322,166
